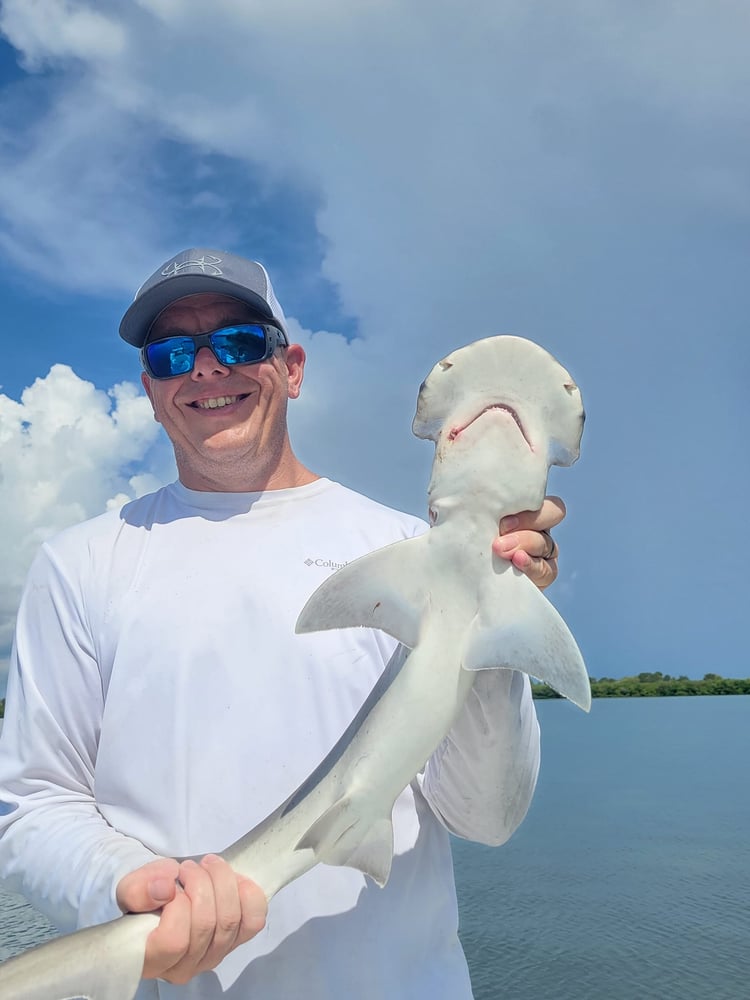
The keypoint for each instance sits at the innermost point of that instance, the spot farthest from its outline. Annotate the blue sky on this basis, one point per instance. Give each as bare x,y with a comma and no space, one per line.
414,175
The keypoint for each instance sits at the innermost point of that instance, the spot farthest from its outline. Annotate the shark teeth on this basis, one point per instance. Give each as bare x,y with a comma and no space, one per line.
215,402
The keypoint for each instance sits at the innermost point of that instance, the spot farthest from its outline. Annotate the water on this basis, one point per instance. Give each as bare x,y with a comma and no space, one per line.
21,927
630,877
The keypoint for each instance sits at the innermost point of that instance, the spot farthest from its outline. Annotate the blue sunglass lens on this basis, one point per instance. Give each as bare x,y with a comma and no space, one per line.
174,356
239,347
233,345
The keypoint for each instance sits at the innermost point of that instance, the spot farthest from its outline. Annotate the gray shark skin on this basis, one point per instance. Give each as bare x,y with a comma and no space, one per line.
98,963
500,412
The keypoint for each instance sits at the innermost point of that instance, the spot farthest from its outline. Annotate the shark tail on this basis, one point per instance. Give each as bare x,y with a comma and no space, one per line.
529,636
99,963
340,837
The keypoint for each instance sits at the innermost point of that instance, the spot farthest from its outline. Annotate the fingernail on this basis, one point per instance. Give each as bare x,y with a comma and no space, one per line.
509,523
161,890
504,544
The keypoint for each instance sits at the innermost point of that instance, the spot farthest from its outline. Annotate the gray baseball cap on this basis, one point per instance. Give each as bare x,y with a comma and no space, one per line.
200,270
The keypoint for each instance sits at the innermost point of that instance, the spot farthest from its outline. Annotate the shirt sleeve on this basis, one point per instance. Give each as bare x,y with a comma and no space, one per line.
481,778
55,846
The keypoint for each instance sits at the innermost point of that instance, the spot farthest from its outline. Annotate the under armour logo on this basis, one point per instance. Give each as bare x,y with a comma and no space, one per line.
207,263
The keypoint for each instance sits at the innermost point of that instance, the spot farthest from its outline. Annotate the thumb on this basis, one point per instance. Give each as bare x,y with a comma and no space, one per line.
149,887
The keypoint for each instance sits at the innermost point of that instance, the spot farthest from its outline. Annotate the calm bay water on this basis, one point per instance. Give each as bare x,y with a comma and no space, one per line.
630,877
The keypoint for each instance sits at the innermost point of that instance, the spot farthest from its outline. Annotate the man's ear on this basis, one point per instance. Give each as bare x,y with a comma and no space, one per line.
295,358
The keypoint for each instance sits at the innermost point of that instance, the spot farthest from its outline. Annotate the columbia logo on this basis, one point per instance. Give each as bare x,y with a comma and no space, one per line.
325,563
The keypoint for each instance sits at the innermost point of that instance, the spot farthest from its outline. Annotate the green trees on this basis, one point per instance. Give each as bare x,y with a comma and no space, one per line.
655,685
644,685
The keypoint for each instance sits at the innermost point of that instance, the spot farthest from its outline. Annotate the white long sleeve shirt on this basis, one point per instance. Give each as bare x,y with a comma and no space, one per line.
159,703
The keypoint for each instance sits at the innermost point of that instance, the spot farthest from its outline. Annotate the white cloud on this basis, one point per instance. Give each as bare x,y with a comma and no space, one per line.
65,452
456,141
48,30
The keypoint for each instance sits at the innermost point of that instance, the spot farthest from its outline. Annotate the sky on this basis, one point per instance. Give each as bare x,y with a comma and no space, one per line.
415,175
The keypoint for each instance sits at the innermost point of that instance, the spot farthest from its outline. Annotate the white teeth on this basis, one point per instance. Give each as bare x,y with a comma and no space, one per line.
212,404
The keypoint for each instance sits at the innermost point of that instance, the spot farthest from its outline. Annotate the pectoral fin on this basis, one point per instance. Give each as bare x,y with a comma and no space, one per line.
526,633
383,589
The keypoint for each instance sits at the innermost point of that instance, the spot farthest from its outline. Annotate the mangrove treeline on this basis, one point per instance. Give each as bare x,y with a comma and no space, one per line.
655,685
645,685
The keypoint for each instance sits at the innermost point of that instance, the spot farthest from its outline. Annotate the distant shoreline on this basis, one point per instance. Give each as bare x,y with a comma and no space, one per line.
655,685
645,685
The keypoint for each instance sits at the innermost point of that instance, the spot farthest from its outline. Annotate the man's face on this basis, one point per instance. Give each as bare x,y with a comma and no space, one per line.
218,416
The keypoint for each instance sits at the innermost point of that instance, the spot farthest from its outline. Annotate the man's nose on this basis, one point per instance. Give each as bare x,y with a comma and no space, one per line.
206,363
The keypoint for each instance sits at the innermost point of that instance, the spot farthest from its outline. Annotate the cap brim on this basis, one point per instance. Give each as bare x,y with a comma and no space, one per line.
139,318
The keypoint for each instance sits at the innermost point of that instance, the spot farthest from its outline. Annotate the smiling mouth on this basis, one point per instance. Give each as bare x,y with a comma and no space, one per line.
217,402
456,431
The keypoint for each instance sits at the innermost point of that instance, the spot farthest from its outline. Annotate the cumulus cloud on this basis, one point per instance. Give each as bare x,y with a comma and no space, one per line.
68,451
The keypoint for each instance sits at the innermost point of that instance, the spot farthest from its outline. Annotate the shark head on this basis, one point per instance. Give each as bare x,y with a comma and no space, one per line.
506,373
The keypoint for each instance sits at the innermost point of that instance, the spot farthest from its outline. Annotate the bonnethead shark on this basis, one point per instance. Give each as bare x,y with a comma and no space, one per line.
501,411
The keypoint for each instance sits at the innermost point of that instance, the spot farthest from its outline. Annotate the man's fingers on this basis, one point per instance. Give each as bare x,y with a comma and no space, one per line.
537,544
549,515
225,913
199,888
169,942
254,908
215,910
176,949
149,887
240,907
526,541
541,572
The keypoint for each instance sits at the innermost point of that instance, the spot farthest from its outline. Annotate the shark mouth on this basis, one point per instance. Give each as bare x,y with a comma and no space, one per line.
456,431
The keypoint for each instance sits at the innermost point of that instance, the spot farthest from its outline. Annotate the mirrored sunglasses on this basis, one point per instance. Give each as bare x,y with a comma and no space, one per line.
243,344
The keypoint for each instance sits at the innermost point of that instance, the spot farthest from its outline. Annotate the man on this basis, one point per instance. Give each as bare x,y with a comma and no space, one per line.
160,704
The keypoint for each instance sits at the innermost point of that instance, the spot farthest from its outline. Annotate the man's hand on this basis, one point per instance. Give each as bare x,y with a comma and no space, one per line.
204,916
525,540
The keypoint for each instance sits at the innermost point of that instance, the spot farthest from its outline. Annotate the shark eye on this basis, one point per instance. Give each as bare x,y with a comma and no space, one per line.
445,365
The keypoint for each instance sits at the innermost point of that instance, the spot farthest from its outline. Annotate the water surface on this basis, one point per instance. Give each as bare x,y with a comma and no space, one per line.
630,877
